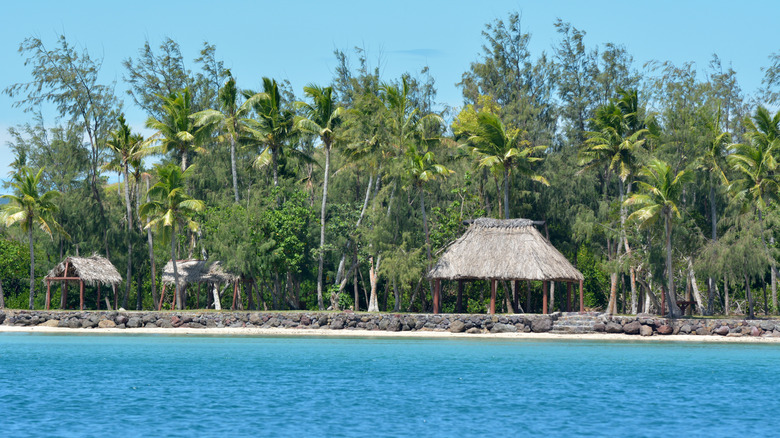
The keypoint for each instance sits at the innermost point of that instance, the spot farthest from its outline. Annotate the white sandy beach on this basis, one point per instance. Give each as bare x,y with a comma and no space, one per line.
254,331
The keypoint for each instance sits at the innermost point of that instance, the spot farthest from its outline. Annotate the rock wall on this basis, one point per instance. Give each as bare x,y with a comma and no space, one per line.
299,320
644,325
650,325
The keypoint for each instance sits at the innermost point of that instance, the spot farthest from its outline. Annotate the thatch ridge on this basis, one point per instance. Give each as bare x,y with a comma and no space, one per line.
197,271
511,249
91,270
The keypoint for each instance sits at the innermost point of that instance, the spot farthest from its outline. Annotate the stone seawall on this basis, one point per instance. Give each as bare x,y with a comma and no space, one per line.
299,320
649,325
642,325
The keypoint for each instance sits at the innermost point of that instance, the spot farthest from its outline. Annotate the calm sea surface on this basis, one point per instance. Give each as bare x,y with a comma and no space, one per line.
66,385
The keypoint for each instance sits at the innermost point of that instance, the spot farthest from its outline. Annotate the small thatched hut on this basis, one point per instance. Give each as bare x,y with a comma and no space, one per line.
509,249
92,271
198,272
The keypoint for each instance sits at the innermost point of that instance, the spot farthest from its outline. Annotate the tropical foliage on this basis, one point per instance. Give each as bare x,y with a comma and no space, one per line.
344,193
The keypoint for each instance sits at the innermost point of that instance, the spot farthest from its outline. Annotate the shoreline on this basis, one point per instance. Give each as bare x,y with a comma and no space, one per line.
420,334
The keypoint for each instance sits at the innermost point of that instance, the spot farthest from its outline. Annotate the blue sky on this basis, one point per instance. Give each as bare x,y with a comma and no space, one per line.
295,40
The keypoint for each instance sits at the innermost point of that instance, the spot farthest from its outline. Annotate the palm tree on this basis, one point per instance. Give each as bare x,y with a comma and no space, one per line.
710,163
29,208
322,117
127,147
504,151
171,207
177,131
273,127
615,146
138,174
660,195
232,120
756,166
422,168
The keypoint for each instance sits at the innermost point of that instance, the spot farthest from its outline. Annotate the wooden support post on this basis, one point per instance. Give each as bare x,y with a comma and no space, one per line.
81,295
64,297
459,302
493,297
568,296
162,297
544,298
437,296
48,293
235,291
98,296
582,300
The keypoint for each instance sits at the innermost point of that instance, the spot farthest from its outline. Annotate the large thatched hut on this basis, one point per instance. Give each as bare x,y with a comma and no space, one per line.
508,249
92,271
211,273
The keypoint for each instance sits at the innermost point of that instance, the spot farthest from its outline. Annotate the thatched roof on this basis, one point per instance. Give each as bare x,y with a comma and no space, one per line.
511,249
92,270
197,271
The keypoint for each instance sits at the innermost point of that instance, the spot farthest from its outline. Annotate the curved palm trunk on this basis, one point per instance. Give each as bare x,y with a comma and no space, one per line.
320,304
674,311
177,292
32,268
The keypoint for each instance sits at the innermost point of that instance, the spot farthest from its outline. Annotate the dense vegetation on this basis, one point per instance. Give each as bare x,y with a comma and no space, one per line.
655,179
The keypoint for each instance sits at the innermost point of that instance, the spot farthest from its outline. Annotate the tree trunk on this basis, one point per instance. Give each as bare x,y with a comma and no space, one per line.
320,304
129,211
612,304
674,311
726,296
425,229
275,164
340,277
176,289
373,304
355,288
507,298
150,241
714,224
139,295
695,289
552,297
233,163
32,268
397,296
506,193
183,161
773,269
217,301
2,297
751,314
427,241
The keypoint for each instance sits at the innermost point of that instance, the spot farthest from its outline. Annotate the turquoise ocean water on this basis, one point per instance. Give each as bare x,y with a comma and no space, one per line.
66,385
